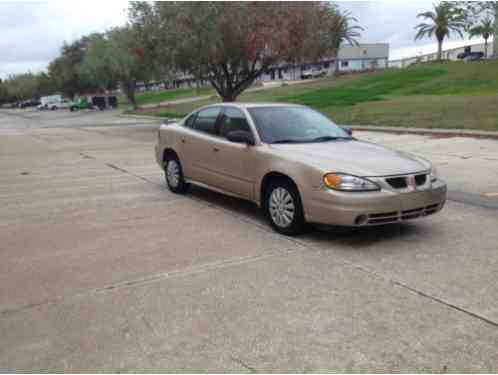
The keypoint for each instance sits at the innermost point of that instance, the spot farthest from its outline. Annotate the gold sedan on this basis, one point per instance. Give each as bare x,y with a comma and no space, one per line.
297,165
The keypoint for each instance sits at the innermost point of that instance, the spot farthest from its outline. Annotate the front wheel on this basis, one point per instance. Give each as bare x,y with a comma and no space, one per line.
174,175
284,208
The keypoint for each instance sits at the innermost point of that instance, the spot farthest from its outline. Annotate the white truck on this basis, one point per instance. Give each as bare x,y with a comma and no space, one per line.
45,101
49,102
63,104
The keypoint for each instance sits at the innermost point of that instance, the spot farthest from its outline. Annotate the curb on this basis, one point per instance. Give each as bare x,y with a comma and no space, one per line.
145,117
430,132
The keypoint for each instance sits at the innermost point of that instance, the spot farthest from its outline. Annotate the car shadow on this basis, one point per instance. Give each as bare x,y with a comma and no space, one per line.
353,237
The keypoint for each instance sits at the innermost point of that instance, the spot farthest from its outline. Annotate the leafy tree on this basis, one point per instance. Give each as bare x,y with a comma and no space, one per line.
116,56
342,31
65,69
484,29
442,21
21,86
45,85
145,26
95,67
232,44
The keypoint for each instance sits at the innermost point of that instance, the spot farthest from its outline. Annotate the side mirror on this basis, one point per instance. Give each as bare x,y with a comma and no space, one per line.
348,130
240,136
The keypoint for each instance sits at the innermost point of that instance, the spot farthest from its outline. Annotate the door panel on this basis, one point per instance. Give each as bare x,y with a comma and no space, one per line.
234,167
234,162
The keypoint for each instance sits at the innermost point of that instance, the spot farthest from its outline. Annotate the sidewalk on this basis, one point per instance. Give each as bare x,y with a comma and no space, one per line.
427,131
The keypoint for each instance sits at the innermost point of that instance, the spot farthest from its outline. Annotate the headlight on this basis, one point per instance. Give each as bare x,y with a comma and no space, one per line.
344,182
433,174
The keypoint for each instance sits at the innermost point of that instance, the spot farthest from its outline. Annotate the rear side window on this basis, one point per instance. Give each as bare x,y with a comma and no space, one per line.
233,119
206,119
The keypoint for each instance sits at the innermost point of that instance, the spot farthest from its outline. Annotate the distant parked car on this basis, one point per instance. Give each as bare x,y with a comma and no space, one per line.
313,73
63,104
29,103
468,55
474,56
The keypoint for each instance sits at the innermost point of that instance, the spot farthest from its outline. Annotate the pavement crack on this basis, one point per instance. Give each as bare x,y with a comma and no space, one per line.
120,169
87,156
193,270
448,304
406,286
243,364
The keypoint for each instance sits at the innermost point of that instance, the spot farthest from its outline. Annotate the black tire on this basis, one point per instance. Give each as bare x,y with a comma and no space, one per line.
176,185
294,225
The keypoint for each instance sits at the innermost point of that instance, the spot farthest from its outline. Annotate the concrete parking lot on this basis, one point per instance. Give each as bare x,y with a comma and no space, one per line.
103,269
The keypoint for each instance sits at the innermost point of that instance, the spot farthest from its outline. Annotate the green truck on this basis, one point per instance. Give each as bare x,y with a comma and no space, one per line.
78,104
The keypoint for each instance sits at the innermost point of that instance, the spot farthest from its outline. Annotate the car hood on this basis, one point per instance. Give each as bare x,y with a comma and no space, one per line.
354,157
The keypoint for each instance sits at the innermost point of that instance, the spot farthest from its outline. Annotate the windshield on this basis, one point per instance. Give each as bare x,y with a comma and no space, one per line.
294,125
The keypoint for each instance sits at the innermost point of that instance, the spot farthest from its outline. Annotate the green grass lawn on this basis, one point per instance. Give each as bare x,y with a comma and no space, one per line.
449,95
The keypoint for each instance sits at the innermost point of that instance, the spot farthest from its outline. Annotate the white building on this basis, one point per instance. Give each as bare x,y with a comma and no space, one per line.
366,56
350,58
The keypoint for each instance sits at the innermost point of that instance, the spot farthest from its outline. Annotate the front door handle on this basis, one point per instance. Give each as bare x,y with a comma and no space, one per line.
216,149
183,140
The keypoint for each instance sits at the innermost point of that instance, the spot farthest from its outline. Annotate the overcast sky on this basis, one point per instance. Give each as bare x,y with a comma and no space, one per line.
33,32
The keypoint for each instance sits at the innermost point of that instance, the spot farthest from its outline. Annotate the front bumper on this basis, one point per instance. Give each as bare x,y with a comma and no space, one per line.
327,206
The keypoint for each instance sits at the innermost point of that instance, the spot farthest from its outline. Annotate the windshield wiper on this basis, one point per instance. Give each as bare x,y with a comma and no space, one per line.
324,138
287,141
328,138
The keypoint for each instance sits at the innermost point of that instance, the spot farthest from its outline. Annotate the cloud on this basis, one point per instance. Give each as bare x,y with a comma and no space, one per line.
394,23
33,32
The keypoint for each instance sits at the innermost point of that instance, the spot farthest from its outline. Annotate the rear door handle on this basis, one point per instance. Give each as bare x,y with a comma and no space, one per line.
216,149
183,140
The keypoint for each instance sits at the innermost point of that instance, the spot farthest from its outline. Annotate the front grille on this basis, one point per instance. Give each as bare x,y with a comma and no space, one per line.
420,179
397,216
402,182
397,182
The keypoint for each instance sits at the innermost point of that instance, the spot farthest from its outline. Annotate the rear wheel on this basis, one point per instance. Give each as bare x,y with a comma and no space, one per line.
284,208
174,175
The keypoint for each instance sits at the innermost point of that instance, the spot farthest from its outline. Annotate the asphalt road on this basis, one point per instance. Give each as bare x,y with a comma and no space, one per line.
103,269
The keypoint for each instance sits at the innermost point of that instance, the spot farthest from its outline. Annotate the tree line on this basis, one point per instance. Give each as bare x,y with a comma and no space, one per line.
228,45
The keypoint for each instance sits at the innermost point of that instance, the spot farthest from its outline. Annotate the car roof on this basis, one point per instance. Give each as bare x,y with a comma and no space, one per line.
253,105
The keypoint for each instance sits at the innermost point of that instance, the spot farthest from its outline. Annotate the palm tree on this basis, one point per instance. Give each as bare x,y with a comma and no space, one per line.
484,29
443,20
343,32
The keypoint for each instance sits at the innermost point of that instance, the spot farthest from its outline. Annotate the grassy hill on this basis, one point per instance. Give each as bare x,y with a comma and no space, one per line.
448,95
154,97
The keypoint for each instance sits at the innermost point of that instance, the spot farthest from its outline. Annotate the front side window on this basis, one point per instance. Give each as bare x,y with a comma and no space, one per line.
189,123
232,119
294,125
205,120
